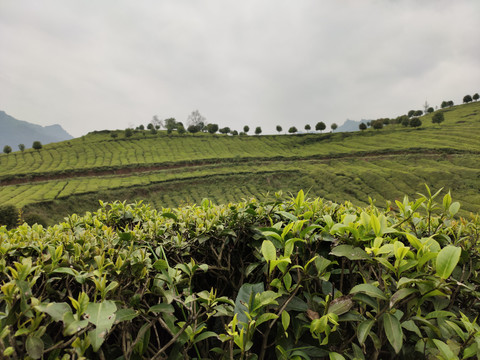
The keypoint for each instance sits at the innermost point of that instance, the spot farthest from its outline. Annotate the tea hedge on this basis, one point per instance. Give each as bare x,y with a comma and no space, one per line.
292,278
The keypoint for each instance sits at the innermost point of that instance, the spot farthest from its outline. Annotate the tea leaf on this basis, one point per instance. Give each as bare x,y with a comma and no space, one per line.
447,259
393,330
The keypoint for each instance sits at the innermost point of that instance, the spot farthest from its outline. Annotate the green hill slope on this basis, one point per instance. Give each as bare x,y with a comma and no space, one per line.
72,176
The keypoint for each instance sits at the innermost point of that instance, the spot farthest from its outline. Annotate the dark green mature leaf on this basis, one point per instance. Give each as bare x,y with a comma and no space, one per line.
55,310
102,315
363,330
370,290
125,315
447,259
401,294
340,305
350,252
34,347
160,308
445,350
246,294
393,330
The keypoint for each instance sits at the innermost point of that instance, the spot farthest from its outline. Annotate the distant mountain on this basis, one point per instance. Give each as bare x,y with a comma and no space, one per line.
350,125
14,132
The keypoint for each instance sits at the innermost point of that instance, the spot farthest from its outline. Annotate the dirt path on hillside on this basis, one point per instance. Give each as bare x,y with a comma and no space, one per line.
221,162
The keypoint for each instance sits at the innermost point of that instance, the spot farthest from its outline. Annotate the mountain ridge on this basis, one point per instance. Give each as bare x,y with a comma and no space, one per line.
14,132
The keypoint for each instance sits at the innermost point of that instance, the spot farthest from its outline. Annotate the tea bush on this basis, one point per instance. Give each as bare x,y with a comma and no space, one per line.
291,279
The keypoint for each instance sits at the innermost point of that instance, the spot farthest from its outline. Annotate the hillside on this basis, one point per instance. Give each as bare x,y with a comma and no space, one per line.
14,132
168,170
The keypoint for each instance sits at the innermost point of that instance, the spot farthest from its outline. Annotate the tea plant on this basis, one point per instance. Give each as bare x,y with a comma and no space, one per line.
290,278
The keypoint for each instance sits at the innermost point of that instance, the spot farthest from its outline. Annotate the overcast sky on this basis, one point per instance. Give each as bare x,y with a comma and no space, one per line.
110,64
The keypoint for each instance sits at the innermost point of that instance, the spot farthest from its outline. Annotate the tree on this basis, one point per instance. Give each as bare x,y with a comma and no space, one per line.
224,130
21,147
234,132
438,117
444,104
141,127
37,145
246,129
292,130
128,132
181,129
150,126
476,97
362,126
430,110
170,124
411,113
279,128
307,127
153,131
450,103
212,128
334,127
415,122
156,122
193,129
405,121
196,119
467,99
320,126
258,130
377,124
7,149
418,113
425,107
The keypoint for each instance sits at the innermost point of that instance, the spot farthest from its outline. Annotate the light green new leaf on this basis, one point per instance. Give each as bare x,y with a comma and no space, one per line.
393,330
335,356
370,290
265,317
285,320
268,250
447,259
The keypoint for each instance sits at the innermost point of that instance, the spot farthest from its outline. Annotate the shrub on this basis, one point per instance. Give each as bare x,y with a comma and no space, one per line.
438,117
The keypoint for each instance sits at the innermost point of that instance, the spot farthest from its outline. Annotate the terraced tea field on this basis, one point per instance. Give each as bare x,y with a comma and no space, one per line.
72,176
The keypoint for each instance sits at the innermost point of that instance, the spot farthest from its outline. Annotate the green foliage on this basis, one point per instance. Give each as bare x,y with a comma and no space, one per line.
438,117
320,126
21,147
258,130
292,130
415,122
7,149
362,126
8,216
467,99
287,278
279,128
37,145
128,132
334,126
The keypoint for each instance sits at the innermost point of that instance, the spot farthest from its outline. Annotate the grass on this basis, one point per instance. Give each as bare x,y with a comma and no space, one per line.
168,170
